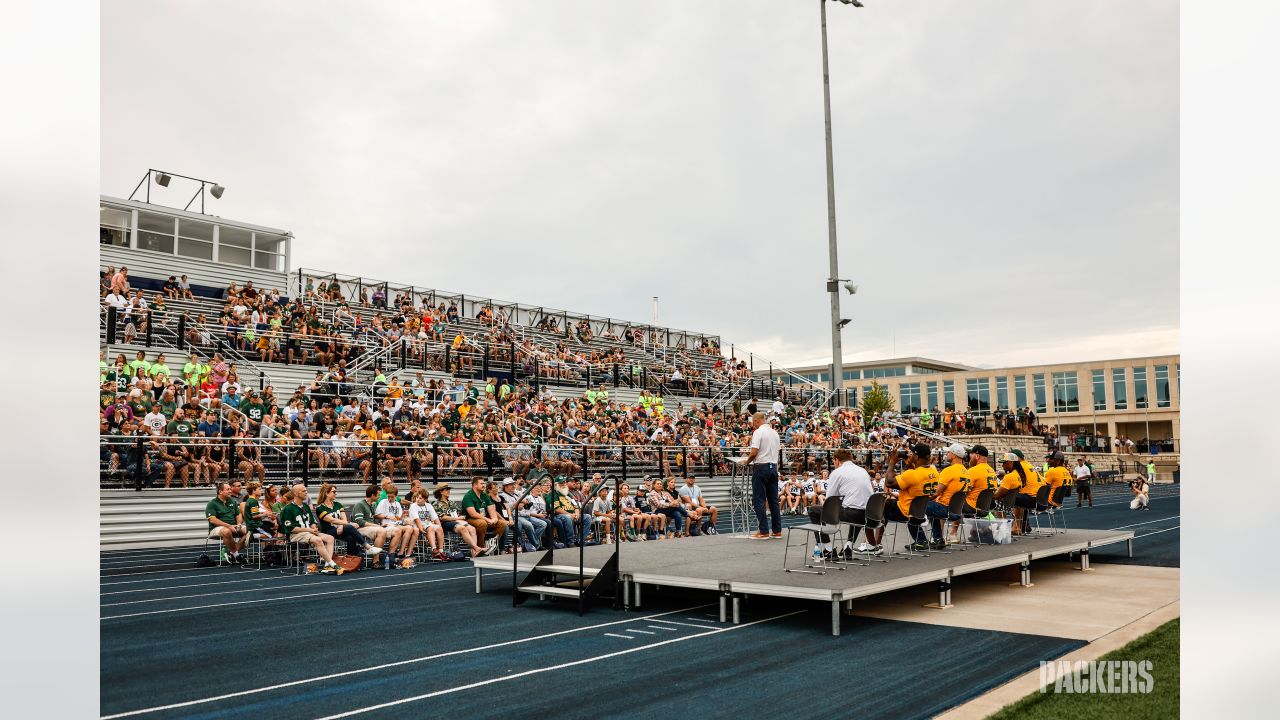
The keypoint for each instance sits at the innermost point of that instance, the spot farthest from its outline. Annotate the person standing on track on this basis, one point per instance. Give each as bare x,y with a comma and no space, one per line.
763,459
1083,474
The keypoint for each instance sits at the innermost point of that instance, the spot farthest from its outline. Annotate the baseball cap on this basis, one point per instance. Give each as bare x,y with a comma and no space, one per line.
979,450
1010,457
956,449
508,481
1018,452
1056,455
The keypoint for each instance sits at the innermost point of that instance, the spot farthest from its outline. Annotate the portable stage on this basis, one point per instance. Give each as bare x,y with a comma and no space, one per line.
735,567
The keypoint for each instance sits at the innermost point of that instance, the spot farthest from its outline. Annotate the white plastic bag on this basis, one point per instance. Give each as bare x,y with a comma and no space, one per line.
989,532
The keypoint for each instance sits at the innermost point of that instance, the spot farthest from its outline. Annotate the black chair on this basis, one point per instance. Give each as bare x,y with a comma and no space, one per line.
917,509
1058,496
873,518
829,525
1041,508
982,508
958,507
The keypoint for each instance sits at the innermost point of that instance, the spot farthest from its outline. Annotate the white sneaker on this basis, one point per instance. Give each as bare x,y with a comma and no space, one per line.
372,550
865,548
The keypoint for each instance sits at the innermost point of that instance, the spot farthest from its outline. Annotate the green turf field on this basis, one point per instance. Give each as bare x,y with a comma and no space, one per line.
1160,646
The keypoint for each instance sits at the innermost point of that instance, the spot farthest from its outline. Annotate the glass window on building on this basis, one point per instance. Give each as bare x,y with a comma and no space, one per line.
1002,393
909,397
268,251
195,239
851,397
235,246
113,225
979,392
1099,389
1162,387
852,374
1120,396
949,394
1066,391
1037,385
1140,388
156,232
1019,391
932,388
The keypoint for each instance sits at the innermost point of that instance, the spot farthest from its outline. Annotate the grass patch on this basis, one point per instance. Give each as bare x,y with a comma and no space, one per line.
1160,646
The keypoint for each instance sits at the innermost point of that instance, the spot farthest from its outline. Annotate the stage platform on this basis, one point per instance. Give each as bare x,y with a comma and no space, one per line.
735,567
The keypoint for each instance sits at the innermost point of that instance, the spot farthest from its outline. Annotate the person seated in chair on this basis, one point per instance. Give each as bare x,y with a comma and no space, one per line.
299,525
1018,489
852,484
334,522
919,480
1057,475
953,479
451,521
227,524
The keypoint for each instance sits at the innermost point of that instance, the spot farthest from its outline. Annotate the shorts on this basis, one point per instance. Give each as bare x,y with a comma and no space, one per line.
369,531
303,536
1024,500
216,532
448,525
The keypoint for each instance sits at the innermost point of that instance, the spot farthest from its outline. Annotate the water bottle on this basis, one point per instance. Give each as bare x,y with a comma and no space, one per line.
222,553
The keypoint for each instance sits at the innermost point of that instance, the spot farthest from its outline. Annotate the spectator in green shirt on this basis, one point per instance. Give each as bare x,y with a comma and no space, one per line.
478,509
299,525
226,523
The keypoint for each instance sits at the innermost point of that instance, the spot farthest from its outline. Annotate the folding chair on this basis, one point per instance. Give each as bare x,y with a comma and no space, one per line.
1058,496
957,507
982,508
917,509
1041,508
829,525
873,516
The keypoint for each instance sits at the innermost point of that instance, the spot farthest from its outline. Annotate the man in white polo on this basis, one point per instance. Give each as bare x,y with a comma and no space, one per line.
763,459
853,485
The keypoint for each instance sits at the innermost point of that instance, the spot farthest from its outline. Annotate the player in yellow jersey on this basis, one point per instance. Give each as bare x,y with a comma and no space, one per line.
981,475
953,479
1057,475
1018,488
919,480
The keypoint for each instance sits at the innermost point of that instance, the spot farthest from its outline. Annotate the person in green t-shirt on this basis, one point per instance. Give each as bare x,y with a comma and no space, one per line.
182,425
139,365
299,525
480,513
159,370
364,517
226,523
334,521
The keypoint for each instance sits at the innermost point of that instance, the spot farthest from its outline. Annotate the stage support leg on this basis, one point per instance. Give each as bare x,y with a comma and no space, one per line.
944,594
724,608
1084,560
626,594
1129,542
735,609
479,572
636,587
835,617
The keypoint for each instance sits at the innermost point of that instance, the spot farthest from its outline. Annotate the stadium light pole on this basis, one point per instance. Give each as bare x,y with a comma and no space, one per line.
833,282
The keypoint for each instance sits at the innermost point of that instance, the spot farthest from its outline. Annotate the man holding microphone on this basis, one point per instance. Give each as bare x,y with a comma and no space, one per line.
763,459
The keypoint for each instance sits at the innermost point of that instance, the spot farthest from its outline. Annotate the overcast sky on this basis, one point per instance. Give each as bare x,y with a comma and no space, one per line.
1006,170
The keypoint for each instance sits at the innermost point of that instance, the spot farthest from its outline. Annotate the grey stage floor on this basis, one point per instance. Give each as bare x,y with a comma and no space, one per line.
754,567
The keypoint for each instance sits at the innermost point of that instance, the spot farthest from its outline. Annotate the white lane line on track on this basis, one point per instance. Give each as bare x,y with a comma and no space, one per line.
384,666
624,637
207,572
1157,532
290,597
235,592
642,632
561,666
1122,527
659,627
277,576
693,625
